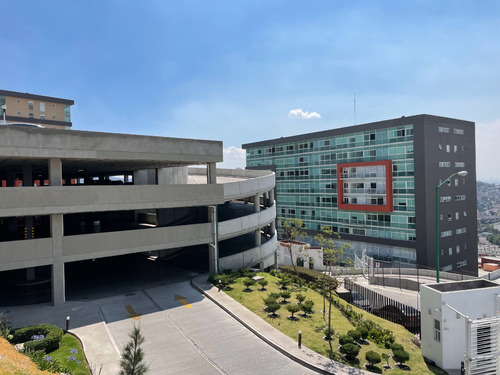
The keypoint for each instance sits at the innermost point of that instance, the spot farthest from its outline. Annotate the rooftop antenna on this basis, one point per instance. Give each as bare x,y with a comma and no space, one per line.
354,108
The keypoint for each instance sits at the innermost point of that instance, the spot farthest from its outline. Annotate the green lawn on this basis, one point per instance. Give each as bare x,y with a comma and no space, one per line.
70,354
312,328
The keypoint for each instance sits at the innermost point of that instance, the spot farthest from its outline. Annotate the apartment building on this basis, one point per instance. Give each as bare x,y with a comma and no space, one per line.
375,184
46,111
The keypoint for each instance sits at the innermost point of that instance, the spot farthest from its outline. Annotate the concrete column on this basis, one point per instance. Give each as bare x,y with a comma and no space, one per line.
58,282
271,197
256,203
211,173
55,172
258,238
213,248
272,225
266,199
11,182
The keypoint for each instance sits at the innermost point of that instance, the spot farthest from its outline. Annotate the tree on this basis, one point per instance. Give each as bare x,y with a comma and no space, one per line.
293,229
132,358
285,294
272,307
263,284
292,309
307,307
333,255
248,282
300,297
373,357
400,356
350,351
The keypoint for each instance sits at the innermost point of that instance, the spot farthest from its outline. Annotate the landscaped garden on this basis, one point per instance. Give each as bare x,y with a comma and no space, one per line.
40,349
355,337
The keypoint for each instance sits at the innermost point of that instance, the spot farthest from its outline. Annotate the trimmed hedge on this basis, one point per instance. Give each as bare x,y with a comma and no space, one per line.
49,343
304,273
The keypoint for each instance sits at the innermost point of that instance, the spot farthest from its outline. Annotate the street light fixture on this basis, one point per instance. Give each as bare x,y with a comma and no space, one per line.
463,174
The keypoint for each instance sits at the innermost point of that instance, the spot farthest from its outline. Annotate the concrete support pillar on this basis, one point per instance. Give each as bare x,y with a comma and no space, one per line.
271,197
211,173
272,225
28,220
58,283
256,203
213,248
266,199
258,238
55,172
11,182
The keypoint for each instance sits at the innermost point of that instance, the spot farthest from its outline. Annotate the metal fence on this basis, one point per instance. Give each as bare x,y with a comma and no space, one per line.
384,307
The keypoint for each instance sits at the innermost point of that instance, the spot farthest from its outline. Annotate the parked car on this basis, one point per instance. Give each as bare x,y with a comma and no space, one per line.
360,301
407,316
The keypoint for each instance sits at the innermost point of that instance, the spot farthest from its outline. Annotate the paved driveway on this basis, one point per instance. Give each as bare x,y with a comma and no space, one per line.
185,333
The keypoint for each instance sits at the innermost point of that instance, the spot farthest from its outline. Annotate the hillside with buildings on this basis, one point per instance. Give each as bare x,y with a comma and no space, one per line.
488,203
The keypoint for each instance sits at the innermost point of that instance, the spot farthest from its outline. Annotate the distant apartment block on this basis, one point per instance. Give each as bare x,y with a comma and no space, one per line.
49,112
375,184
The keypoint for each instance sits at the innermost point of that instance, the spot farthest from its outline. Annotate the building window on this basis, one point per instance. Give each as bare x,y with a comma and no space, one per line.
461,230
447,148
458,131
445,199
440,146
460,197
53,106
444,164
457,216
459,164
450,251
449,217
456,181
31,115
442,129
441,217
19,113
455,148
458,249
42,117
437,330
42,107
54,117
30,106
446,233
18,101
465,213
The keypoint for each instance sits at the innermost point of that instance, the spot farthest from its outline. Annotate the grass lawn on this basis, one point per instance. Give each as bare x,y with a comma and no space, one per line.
312,328
70,354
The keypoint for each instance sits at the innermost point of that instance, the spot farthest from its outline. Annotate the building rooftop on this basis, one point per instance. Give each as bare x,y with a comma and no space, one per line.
463,285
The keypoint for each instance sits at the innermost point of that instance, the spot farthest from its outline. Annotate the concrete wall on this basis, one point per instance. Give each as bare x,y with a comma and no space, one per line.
25,253
250,257
245,224
70,199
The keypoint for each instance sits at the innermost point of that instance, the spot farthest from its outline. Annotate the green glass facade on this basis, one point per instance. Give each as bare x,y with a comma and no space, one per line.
306,184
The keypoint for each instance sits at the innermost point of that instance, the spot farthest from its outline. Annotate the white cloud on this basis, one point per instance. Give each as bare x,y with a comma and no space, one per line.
233,158
299,114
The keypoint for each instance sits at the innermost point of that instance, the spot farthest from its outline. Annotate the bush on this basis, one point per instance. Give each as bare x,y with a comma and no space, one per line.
45,362
350,351
328,333
248,282
5,325
44,337
346,339
285,295
307,307
292,309
364,332
355,334
400,356
396,346
373,357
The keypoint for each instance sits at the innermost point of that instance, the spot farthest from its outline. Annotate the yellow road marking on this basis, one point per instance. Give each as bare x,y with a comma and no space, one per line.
182,300
132,313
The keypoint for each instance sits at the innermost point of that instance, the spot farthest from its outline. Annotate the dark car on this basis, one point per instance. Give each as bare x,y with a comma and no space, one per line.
407,316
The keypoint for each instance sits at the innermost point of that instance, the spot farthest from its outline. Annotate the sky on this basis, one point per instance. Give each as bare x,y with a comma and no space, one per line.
246,71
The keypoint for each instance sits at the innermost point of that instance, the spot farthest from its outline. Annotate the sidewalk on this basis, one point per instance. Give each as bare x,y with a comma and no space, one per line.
271,335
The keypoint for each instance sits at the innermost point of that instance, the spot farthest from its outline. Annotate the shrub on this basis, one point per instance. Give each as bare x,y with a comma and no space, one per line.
364,332
355,334
300,297
373,357
272,308
285,295
346,339
350,351
263,284
328,333
32,337
5,325
248,282
307,307
396,346
45,362
400,356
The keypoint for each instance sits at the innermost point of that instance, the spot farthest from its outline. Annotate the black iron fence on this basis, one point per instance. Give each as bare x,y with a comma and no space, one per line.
384,307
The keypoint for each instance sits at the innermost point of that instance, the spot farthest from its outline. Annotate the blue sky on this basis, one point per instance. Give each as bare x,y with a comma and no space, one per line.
233,70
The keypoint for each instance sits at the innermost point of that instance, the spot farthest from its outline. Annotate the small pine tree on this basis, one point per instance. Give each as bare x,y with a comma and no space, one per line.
373,357
132,358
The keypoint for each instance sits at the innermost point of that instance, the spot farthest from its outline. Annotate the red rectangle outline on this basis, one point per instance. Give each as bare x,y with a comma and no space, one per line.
388,207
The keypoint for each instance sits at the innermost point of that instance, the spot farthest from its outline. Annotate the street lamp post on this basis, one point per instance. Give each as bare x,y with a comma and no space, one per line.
463,174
